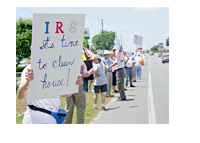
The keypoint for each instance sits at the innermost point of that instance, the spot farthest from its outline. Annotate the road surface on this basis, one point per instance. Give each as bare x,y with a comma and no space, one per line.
147,103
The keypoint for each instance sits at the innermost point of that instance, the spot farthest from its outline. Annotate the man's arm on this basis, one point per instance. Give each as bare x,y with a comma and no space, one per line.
84,71
126,60
107,67
23,89
114,64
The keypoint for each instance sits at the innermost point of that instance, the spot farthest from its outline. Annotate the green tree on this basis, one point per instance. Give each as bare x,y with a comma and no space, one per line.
85,43
154,48
23,38
109,38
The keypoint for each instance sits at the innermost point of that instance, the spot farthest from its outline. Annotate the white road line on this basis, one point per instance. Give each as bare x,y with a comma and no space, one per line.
151,108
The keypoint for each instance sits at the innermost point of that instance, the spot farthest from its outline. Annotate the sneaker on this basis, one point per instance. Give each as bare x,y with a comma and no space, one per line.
94,108
110,96
125,89
119,99
103,108
89,90
132,86
92,90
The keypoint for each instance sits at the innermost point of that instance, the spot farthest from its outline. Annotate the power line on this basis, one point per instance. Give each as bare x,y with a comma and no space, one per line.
26,10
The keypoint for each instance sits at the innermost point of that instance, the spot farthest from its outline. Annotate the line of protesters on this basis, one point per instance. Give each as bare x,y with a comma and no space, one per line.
108,72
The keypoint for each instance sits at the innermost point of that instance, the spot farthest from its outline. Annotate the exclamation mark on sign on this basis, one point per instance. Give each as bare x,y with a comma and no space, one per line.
68,76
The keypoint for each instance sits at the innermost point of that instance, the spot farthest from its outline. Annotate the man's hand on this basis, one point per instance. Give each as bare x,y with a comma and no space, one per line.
29,74
92,70
79,80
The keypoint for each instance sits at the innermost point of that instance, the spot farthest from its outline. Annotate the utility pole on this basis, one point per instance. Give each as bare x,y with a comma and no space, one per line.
102,36
121,37
117,43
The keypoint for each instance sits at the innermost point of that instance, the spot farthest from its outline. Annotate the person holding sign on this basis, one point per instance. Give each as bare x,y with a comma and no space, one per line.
50,104
78,99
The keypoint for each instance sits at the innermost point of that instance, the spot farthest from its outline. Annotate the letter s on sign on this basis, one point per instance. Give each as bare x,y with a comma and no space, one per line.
72,27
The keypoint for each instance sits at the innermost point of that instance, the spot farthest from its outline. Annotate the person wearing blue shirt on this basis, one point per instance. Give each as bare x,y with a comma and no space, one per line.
107,62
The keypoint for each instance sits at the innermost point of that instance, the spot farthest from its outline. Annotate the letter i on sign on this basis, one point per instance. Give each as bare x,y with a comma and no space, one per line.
47,27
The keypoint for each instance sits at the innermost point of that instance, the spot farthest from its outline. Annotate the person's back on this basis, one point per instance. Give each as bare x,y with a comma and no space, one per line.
137,61
101,80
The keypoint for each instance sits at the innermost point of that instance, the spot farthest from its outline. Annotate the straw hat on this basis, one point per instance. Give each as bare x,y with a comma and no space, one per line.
106,52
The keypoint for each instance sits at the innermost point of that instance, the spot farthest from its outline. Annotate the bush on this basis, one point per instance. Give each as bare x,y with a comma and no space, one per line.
20,69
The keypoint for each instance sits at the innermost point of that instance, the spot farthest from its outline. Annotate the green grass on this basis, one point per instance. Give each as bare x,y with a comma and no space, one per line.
89,113
19,119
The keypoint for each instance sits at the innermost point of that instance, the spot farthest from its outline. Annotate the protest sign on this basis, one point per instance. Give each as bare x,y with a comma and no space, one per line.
57,41
138,40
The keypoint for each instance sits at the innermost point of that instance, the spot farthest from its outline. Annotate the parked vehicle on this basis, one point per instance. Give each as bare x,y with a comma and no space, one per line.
165,57
151,53
23,62
160,54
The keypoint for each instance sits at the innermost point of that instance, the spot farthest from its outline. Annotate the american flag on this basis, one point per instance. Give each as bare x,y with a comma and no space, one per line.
119,53
88,53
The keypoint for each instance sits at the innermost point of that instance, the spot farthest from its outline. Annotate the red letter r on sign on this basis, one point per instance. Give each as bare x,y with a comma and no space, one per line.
59,25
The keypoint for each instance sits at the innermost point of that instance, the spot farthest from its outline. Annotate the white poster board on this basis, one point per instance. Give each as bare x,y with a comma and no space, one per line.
138,40
57,41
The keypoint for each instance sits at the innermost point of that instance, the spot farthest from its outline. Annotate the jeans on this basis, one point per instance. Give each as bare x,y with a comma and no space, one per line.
86,85
138,72
129,74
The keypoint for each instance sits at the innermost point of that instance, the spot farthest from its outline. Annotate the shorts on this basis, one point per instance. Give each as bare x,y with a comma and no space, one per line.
102,87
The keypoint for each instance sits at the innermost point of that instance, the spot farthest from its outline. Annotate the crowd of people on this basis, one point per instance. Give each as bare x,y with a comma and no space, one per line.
108,71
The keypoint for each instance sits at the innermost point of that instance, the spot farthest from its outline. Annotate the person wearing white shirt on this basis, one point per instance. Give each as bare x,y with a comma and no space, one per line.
129,70
138,68
113,59
51,104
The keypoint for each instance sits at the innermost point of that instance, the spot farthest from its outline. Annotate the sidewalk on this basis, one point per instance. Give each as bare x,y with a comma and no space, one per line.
132,111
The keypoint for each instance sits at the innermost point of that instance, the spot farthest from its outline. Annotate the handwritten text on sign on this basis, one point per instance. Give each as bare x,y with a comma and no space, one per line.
56,54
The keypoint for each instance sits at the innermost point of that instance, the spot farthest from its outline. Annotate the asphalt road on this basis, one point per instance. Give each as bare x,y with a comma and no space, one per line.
146,103
160,86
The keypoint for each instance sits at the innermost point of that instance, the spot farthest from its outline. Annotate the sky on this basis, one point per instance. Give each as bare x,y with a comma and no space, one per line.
152,23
